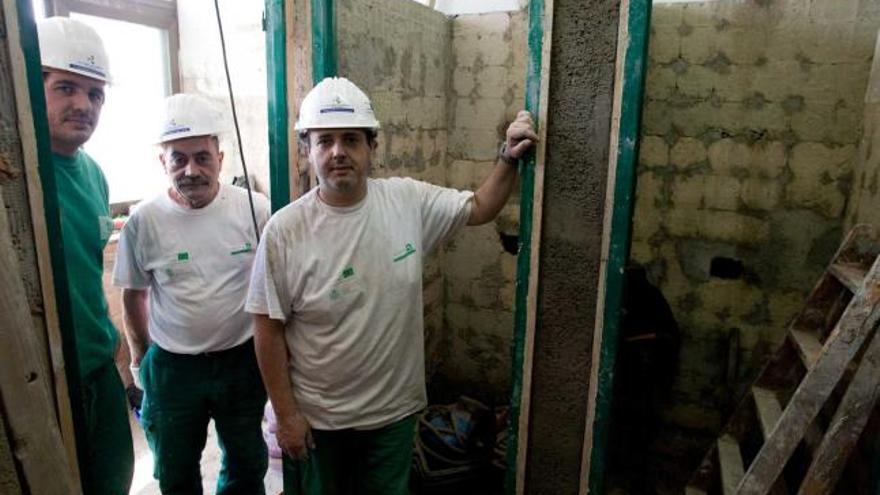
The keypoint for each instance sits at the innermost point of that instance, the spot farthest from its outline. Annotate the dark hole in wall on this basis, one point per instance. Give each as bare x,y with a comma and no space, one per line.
510,242
726,268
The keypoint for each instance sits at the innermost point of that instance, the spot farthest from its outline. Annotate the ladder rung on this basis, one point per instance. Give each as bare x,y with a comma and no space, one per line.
851,276
808,346
731,463
769,409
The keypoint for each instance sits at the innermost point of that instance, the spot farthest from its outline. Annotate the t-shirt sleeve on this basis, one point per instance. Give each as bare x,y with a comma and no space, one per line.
267,289
128,272
262,209
444,212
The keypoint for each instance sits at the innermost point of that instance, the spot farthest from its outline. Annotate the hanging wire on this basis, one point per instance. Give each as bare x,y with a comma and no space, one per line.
247,179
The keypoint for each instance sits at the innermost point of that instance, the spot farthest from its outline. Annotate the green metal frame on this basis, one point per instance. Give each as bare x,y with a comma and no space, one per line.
524,257
324,54
635,64
276,64
30,47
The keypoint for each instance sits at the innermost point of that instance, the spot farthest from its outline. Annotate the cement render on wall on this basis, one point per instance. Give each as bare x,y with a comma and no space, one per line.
399,54
578,126
750,129
201,71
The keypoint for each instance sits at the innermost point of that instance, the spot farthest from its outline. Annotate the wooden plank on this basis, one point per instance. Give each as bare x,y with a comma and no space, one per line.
808,347
27,132
849,420
862,315
26,399
850,275
769,410
535,249
730,460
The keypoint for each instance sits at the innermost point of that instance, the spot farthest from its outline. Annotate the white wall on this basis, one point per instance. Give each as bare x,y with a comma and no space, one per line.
454,7
201,71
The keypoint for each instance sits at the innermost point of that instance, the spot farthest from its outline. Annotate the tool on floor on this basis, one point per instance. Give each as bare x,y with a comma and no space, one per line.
782,427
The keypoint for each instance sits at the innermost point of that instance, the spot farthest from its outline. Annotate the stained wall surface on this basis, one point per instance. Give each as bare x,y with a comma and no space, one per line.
399,54
864,203
750,130
584,44
487,91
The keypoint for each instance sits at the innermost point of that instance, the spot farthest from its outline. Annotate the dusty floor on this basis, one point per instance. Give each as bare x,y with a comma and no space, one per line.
144,484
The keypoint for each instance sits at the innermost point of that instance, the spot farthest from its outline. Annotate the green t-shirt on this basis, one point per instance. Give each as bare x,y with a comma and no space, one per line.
86,226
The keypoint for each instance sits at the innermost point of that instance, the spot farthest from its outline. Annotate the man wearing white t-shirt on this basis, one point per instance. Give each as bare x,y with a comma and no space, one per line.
184,262
337,296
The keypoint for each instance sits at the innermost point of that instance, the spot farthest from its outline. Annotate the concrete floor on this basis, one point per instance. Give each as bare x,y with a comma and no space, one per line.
144,483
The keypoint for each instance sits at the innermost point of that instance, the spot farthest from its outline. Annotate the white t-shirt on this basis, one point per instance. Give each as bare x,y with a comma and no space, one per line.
197,264
347,282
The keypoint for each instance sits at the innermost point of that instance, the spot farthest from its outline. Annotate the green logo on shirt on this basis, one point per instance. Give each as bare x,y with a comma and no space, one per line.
348,272
183,256
246,249
409,250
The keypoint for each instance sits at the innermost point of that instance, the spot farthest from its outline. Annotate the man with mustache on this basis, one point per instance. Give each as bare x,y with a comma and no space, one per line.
336,293
184,263
75,71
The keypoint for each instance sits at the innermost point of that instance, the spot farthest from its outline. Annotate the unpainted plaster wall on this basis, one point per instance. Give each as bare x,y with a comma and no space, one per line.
750,128
399,54
864,203
201,71
487,91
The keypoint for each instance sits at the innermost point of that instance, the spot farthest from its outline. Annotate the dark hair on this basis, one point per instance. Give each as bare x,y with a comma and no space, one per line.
371,134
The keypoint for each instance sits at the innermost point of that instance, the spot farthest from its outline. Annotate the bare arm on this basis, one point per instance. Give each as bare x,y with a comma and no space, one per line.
294,432
492,194
134,317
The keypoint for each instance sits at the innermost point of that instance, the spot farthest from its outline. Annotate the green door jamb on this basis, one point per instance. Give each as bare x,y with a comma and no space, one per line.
324,61
524,257
30,47
638,18
276,65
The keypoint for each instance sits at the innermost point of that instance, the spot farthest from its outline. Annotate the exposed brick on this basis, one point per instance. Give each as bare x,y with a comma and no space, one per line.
761,194
687,151
722,192
653,152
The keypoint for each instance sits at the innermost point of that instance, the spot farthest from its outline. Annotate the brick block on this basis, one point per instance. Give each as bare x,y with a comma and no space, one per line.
688,192
700,45
761,194
664,44
766,159
733,297
660,82
784,306
777,79
721,192
726,156
463,81
492,82
641,252
823,11
693,120
816,169
474,144
686,152
480,113
742,45
647,218
722,226
699,81
653,152
656,117
666,15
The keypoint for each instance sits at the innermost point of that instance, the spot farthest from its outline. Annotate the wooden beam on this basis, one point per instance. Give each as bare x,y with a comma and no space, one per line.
769,410
28,136
730,459
26,401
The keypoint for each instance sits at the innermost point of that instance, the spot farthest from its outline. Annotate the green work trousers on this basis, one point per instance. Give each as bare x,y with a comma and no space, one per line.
355,462
110,464
182,392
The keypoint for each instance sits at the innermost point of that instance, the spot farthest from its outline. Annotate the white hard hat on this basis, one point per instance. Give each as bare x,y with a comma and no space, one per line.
73,46
189,115
336,103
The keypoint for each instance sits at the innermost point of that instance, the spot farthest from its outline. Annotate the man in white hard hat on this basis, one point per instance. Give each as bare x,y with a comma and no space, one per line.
184,262
75,71
337,296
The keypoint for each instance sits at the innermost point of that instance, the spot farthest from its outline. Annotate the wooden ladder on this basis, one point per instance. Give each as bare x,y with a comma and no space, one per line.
783,425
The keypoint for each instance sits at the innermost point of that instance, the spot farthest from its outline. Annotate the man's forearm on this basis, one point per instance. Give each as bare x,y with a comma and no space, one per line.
271,352
493,193
134,317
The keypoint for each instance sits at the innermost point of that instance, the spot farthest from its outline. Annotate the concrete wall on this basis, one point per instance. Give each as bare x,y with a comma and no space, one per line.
399,54
750,128
864,203
201,71
487,91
